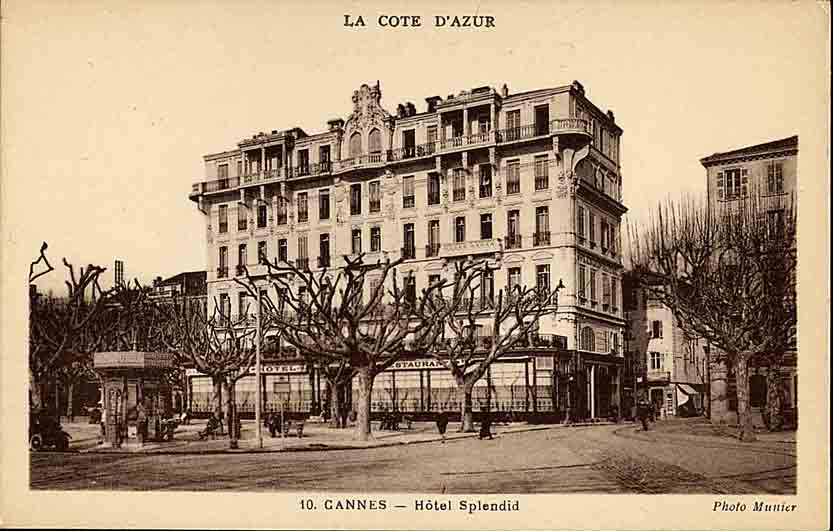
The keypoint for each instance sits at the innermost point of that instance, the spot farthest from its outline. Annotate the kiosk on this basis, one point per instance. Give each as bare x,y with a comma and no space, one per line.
129,379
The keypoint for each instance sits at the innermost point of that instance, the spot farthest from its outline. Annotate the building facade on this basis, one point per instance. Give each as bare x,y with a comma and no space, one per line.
670,368
529,181
768,174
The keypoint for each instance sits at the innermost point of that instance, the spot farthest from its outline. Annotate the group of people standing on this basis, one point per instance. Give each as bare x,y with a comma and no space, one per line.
485,426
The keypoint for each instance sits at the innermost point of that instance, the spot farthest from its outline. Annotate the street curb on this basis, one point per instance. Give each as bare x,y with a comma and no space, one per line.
327,448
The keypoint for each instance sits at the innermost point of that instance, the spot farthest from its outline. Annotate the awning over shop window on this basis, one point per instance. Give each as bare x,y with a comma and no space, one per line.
687,389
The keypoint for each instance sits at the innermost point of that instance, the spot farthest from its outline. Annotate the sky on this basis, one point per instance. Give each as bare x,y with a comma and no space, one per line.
109,107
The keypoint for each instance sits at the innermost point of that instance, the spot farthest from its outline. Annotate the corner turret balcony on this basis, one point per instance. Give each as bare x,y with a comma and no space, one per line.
559,126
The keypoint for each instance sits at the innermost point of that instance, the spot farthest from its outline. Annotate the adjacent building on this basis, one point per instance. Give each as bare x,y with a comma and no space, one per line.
529,181
766,173
669,366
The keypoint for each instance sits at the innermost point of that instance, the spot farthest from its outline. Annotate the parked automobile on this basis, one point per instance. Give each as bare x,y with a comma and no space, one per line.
45,431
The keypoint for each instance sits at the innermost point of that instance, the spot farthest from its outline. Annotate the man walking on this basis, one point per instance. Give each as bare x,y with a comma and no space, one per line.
442,424
486,426
643,411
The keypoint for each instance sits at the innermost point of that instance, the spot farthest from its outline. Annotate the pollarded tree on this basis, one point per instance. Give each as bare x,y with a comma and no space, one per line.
508,319
57,326
728,277
358,315
217,344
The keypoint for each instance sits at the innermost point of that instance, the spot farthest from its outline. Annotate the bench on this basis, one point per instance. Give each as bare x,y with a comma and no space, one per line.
297,425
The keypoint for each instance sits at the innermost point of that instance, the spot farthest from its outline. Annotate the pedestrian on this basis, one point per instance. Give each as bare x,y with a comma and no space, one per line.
486,427
643,411
103,424
442,424
141,421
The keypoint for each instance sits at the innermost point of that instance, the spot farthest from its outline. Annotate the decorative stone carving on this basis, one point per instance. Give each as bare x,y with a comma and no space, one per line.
367,112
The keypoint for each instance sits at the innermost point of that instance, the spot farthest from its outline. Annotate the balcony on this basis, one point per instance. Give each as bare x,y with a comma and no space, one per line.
361,160
432,249
513,241
230,183
408,252
302,264
239,270
222,272
323,261
491,245
658,376
304,170
412,152
541,238
559,126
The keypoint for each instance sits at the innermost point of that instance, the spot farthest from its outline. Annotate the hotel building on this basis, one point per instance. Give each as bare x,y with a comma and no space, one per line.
530,181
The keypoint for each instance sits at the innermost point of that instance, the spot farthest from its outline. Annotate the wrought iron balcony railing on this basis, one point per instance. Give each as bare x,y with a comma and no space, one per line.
222,272
432,249
513,241
324,261
302,263
409,252
541,238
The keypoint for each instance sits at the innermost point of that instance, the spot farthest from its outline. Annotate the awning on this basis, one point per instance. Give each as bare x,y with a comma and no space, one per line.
687,389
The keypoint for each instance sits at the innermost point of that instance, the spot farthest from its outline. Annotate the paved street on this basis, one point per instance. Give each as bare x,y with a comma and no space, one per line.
603,459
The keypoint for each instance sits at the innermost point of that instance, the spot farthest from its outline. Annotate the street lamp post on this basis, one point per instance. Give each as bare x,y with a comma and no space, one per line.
257,375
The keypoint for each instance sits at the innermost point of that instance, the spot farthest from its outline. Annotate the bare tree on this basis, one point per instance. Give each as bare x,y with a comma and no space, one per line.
341,317
217,345
509,320
58,326
728,276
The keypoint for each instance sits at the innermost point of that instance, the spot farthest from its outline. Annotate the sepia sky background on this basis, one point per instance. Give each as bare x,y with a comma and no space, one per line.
109,106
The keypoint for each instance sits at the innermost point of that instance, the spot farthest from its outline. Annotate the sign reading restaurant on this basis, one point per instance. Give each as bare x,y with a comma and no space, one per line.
416,364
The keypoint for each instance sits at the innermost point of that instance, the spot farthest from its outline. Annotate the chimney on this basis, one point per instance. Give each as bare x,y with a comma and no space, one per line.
504,91
411,109
274,131
610,115
578,87
432,102
335,124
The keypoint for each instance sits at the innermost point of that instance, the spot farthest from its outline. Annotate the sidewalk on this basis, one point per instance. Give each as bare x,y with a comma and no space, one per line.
317,436
700,429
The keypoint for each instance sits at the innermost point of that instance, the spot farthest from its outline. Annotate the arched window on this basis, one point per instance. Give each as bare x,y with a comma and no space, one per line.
375,141
355,145
588,339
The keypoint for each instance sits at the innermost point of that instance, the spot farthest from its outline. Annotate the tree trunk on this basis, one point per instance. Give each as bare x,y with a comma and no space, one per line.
718,393
218,398
336,404
466,415
747,432
70,389
57,397
363,414
773,399
231,414
35,392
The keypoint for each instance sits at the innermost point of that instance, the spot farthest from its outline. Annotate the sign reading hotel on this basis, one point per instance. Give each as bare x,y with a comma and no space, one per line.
264,369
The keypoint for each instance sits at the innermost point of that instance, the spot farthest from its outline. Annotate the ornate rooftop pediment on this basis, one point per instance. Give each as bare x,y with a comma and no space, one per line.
367,111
